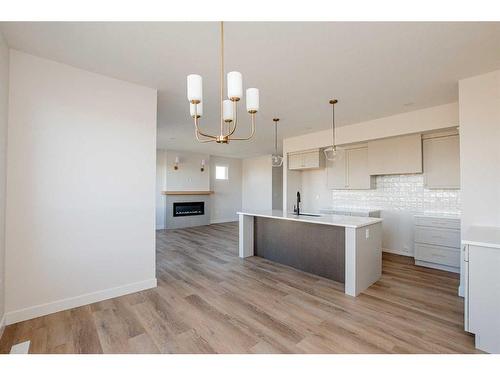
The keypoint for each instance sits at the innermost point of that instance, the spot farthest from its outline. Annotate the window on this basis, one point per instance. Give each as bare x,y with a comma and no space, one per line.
221,172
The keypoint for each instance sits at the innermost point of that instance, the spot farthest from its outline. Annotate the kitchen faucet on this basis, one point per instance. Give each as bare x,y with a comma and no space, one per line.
296,209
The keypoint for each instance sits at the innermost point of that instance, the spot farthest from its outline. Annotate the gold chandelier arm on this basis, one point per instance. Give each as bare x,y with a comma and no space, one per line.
197,127
232,126
202,140
253,131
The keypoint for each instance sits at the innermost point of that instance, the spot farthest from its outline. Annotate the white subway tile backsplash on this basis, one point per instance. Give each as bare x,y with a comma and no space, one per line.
400,192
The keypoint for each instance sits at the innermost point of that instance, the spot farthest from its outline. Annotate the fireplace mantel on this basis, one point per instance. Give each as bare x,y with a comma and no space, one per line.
202,192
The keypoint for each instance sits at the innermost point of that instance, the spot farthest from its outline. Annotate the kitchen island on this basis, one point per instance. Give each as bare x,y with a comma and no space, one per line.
347,249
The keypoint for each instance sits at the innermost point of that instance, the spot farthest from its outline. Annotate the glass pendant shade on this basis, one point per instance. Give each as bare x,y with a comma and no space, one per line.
330,153
277,160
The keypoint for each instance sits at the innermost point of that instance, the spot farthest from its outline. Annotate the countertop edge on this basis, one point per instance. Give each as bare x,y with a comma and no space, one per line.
312,221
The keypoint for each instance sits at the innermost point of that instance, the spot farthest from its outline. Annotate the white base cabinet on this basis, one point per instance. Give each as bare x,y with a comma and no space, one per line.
481,248
437,242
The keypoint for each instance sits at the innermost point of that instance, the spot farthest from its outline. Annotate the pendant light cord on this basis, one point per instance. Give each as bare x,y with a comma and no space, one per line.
333,102
276,135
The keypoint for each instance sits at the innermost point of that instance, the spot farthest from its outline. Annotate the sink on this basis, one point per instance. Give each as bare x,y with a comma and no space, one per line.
313,215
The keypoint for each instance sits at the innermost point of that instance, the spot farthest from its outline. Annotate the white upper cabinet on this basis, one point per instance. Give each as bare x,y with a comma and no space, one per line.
336,171
442,162
349,170
397,155
312,159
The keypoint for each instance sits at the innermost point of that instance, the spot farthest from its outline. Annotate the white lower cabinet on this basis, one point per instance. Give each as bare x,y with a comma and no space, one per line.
437,242
482,287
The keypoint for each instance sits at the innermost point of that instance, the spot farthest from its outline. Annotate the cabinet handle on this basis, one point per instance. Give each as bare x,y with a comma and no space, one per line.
438,255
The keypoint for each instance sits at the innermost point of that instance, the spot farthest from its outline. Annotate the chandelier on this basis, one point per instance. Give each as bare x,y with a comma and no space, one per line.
331,152
276,159
228,107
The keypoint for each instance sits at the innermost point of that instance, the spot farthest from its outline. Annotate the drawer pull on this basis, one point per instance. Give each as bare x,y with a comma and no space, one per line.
438,255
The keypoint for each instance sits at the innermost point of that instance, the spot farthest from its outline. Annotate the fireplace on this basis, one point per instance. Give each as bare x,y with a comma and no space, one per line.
188,208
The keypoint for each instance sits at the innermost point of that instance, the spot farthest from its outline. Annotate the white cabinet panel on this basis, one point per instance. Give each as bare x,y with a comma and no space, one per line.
437,236
437,222
483,297
294,161
397,155
312,159
438,254
442,162
349,170
357,169
336,171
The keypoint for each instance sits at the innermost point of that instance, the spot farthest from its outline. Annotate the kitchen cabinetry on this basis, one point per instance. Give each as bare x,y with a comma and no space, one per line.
437,242
442,162
349,170
311,159
397,155
481,247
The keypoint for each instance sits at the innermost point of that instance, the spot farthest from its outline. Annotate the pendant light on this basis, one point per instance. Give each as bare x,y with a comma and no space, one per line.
276,159
228,107
331,152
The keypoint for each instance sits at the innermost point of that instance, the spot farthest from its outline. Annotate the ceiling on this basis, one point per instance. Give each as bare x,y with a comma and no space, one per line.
374,69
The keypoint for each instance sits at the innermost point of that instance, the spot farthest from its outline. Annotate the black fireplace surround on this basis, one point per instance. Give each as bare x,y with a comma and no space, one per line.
189,208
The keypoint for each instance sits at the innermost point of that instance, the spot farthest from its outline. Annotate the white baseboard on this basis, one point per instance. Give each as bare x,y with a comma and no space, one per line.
220,221
397,252
2,325
12,317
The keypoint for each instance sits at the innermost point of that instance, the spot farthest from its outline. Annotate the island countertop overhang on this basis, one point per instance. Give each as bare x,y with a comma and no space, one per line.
323,219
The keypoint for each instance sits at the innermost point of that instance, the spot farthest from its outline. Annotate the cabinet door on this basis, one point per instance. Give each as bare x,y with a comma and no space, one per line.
357,169
442,162
397,155
484,296
336,171
310,159
294,161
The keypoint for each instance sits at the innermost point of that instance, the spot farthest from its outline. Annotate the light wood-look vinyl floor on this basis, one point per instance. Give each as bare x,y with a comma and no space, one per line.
210,301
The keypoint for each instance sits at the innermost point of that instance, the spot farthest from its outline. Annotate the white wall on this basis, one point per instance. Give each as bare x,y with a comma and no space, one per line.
4,95
226,200
161,186
81,187
479,99
423,120
480,149
257,183
189,175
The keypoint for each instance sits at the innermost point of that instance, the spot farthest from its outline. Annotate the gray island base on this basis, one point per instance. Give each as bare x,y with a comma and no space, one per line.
346,249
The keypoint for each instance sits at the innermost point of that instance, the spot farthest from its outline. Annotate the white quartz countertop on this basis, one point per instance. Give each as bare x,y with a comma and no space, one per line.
482,236
326,210
325,219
